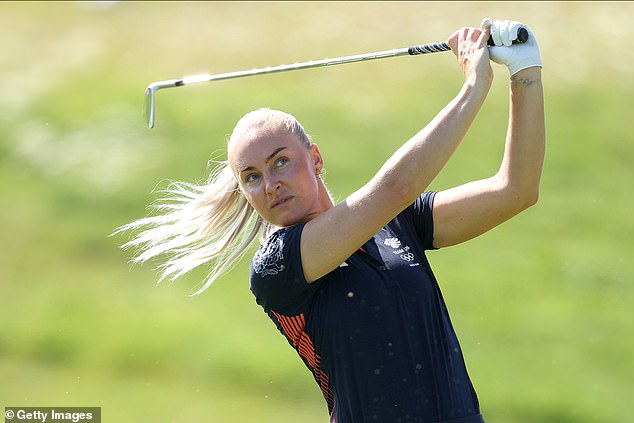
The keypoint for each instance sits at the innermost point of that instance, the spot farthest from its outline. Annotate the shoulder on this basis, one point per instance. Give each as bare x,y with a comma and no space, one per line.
420,216
424,203
270,256
277,277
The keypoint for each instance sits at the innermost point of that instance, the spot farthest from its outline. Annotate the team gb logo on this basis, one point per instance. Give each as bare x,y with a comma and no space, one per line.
392,242
403,252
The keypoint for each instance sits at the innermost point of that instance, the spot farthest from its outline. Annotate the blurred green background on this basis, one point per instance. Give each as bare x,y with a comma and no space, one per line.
542,304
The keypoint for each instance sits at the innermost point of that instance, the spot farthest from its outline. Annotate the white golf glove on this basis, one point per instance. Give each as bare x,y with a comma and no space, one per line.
515,56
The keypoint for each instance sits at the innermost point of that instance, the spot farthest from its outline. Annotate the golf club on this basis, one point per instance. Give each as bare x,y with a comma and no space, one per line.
152,88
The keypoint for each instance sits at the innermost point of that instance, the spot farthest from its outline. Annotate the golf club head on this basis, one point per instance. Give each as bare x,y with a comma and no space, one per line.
150,97
149,105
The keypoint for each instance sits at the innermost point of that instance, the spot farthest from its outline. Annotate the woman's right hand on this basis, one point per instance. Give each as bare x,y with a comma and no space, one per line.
470,47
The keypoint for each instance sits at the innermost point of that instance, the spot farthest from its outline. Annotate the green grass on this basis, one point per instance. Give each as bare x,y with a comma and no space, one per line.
542,304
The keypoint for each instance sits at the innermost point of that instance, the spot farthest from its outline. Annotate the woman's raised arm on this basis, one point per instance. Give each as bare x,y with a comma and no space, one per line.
467,211
331,237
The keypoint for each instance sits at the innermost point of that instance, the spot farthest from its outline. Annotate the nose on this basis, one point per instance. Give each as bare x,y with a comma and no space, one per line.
271,185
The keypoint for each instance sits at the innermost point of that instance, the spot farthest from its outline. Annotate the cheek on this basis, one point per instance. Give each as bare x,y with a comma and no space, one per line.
257,199
250,196
305,172
310,178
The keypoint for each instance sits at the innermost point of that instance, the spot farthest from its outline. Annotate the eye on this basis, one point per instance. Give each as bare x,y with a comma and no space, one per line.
251,178
281,162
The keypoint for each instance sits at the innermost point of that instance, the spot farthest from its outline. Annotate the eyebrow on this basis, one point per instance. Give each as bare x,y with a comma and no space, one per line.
268,159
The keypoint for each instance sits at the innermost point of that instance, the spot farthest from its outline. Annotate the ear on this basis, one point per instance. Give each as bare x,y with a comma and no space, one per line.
318,161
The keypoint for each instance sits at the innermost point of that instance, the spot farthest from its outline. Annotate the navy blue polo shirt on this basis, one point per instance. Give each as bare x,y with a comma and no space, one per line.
375,332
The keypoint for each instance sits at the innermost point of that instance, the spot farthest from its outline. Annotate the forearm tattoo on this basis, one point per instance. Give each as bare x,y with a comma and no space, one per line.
525,82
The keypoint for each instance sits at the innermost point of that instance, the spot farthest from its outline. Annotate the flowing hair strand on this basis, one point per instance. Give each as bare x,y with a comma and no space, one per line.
197,224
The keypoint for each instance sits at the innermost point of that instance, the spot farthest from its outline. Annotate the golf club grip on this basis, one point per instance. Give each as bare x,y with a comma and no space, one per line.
522,37
428,48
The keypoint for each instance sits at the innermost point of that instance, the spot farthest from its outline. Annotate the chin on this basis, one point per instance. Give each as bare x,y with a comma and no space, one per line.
287,221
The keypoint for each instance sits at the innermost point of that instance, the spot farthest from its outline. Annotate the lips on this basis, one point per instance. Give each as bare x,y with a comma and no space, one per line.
280,201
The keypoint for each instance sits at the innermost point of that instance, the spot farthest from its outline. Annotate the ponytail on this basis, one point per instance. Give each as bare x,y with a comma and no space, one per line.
198,224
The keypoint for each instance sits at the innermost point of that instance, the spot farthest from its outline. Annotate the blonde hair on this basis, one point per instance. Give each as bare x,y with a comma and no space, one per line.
209,223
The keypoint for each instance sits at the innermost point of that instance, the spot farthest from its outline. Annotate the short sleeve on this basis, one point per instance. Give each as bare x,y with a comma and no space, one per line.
424,220
276,273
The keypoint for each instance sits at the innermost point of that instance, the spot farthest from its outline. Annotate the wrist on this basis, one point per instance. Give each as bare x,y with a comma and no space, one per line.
533,73
478,84
530,61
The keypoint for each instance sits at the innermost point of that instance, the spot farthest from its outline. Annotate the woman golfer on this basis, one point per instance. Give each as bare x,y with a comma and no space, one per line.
349,285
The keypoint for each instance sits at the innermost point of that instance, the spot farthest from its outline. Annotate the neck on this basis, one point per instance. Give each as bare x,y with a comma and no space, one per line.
325,198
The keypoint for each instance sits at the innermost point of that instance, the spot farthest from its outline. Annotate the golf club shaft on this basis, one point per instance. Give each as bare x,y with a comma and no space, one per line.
421,49
152,88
